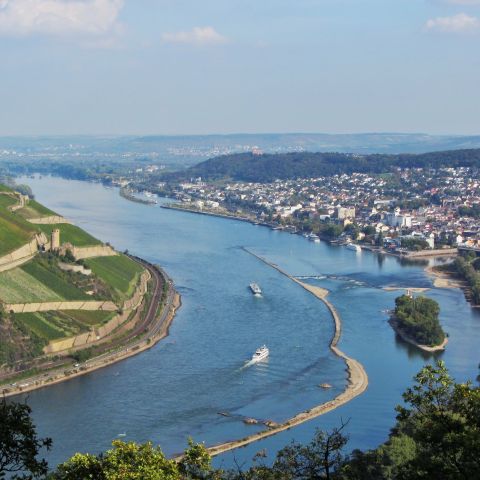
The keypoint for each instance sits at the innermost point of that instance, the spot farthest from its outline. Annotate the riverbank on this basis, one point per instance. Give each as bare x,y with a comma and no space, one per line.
128,195
442,279
422,254
174,206
410,255
357,376
156,324
403,335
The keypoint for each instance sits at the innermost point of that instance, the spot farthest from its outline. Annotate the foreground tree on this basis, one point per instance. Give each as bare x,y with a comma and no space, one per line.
443,418
437,435
132,461
19,444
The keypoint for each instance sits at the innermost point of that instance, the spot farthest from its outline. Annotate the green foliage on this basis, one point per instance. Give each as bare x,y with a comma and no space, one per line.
14,231
437,436
318,459
415,244
473,211
369,230
38,323
465,268
34,210
131,461
46,271
269,167
443,419
89,317
19,444
18,286
418,318
83,355
7,201
352,230
119,272
331,230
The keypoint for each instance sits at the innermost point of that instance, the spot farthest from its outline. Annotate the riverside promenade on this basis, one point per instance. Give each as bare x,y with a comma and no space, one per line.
357,376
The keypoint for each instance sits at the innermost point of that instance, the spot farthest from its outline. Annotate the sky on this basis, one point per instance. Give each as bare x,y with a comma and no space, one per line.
172,67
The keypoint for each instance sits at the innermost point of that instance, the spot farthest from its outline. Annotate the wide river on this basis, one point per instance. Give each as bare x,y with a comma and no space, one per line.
178,388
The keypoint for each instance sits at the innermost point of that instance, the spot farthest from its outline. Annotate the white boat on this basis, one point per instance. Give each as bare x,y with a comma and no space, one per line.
256,290
354,247
314,238
260,354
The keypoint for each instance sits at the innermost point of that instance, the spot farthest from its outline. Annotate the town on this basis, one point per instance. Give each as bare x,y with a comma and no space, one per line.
408,210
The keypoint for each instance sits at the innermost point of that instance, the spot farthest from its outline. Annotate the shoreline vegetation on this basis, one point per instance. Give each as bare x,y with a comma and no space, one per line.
443,279
415,320
357,376
157,329
406,338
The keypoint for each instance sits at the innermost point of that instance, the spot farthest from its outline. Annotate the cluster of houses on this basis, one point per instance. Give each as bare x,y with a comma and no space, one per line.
409,204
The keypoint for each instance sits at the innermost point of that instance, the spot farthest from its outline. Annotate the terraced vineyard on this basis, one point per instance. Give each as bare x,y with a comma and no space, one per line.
49,274
34,210
71,234
15,231
37,281
17,286
119,271
89,318
24,335
41,325
54,325
7,201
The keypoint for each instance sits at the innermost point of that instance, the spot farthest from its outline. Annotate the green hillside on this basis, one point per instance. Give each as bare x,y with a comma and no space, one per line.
269,167
34,210
71,234
41,279
15,231
120,272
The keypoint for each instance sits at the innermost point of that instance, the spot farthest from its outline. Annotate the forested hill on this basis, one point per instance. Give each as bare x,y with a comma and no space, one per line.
268,167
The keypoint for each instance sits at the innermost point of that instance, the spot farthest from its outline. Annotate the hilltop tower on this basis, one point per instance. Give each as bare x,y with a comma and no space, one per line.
55,239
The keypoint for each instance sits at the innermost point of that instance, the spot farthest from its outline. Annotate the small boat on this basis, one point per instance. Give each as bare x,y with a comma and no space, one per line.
256,290
260,354
314,238
354,247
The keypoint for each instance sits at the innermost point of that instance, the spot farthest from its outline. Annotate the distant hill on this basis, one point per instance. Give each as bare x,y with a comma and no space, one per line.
269,167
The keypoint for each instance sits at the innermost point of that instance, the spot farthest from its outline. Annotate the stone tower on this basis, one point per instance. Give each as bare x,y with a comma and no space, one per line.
55,239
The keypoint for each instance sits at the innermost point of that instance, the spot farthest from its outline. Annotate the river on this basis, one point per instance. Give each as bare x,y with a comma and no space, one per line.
178,388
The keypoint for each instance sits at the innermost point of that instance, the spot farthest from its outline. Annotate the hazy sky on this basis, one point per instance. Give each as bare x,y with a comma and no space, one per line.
221,66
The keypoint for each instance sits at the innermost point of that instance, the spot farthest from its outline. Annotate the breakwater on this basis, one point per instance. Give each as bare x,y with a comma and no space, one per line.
357,376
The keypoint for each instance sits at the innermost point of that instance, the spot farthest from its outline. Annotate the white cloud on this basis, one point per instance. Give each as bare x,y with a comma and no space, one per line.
83,18
196,36
460,23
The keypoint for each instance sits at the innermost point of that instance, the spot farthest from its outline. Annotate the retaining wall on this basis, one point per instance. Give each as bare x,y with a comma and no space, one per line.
75,305
28,250
96,334
49,220
88,252
140,291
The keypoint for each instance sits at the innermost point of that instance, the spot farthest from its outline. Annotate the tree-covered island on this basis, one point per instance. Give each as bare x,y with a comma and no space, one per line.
416,321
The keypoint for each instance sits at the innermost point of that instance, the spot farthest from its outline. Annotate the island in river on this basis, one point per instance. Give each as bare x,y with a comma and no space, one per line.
416,321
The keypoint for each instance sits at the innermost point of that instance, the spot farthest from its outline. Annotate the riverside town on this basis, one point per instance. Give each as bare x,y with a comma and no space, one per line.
239,240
